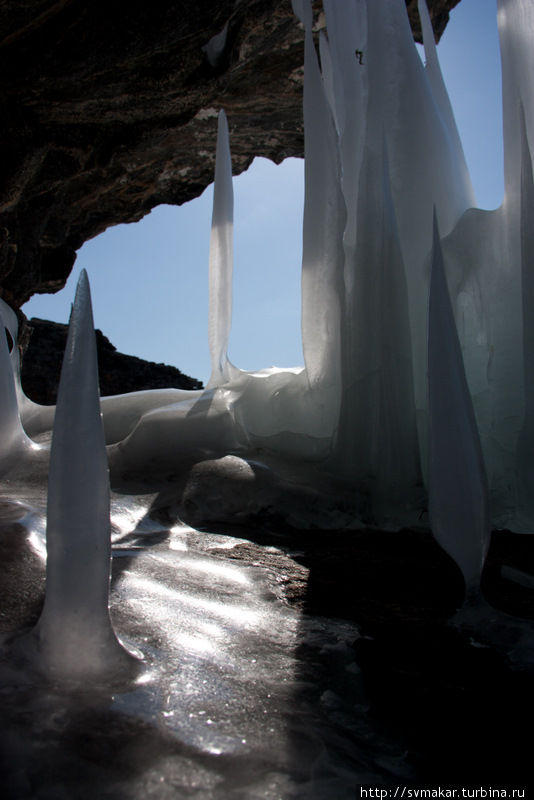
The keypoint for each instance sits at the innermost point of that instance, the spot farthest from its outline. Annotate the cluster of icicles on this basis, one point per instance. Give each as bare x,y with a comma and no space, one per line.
417,325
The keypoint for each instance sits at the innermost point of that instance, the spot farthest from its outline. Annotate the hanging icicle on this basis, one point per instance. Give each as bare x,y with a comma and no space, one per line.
221,259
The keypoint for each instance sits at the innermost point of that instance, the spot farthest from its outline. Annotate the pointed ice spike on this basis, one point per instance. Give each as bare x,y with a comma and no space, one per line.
458,494
74,635
221,259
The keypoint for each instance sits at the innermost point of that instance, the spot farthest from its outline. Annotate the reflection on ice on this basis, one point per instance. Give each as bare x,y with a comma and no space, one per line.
127,519
200,644
223,649
215,571
231,613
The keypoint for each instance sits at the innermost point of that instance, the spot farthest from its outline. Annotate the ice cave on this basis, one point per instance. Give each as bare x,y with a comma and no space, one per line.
191,674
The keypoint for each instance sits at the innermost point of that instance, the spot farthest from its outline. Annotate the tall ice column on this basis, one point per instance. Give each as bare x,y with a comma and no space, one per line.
221,259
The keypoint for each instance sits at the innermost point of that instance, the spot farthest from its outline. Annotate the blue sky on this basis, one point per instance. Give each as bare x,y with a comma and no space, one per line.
149,280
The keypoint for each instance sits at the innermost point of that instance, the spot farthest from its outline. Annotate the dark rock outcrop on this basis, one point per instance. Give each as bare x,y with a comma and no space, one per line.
109,109
118,373
439,12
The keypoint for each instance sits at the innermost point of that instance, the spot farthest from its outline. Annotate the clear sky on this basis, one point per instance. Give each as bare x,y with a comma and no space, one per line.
149,280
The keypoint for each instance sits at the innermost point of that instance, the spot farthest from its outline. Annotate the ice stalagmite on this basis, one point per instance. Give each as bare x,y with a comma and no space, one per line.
221,259
74,635
458,494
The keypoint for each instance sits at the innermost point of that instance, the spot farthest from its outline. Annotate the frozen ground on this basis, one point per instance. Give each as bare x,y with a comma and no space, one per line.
245,689
238,693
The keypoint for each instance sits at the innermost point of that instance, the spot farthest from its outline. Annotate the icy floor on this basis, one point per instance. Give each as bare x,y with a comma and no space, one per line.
239,695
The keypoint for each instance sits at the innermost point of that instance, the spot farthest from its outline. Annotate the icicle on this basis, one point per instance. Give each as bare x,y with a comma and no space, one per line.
221,259
442,101
11,324
14,442
324,222
516,34
34,418
215,48
525,448
348,57
74,636
398,470
377,437
424,166
458,495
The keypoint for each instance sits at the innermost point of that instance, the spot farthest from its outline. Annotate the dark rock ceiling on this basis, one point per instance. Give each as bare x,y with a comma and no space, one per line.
109,109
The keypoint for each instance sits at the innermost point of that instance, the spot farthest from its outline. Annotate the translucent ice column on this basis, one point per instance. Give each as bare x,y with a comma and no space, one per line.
221,259
74,635
323,224
458,495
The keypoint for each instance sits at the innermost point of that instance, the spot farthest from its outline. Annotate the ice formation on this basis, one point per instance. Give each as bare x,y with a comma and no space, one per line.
74,637
390,378
15,442
382,151
455,465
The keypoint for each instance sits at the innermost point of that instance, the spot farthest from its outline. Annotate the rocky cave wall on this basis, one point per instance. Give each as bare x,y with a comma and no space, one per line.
109,109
